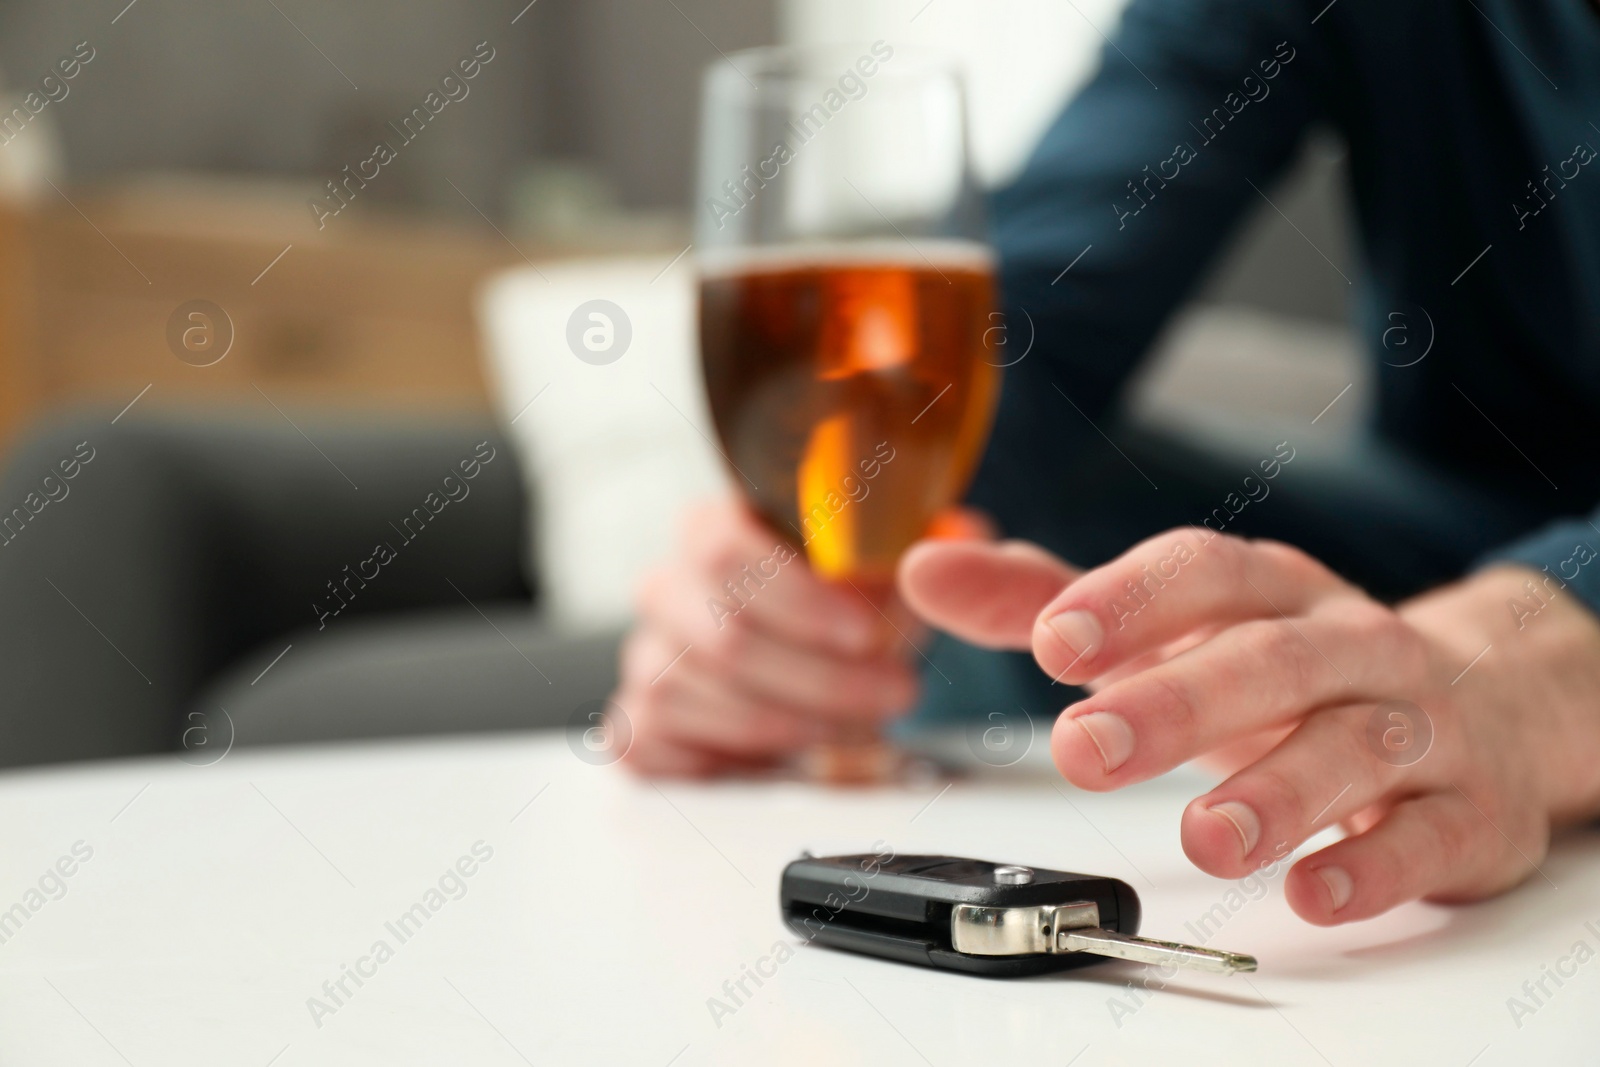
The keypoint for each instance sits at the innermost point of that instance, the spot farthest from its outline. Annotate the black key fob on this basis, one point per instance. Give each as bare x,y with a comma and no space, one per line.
996,919
957,914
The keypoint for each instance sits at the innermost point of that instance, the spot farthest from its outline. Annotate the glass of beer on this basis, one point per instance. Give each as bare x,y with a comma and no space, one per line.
846,290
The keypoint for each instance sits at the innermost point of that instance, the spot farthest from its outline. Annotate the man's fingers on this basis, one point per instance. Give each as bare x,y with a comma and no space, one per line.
1165,587
696,712
1257,675
1145,660
687,707
1319,775
742,655
1436,846
767,667
984,593
663,759
744,569
829,686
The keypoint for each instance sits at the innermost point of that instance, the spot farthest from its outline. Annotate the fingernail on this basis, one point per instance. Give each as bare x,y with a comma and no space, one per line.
1080,630
1337,879
1111,734
1244,821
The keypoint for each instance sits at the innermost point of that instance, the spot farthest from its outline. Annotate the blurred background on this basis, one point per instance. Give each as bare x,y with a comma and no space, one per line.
181,162
205,152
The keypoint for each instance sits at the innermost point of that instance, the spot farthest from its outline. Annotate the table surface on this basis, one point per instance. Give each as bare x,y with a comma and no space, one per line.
207,906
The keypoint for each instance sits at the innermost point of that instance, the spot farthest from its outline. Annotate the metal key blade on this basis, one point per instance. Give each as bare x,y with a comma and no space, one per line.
1147,950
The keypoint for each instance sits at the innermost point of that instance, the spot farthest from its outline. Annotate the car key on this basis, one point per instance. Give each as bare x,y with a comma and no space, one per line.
1000,920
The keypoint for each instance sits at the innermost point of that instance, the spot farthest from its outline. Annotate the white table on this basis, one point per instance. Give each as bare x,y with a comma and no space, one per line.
218,899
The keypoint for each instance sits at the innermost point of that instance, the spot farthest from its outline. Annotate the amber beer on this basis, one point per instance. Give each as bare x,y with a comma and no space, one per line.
851,389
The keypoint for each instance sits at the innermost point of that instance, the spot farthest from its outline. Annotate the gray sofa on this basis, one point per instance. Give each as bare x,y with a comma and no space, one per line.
173,581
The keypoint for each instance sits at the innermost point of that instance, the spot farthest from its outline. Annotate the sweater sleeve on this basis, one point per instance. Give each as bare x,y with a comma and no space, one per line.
1196,106
1566,551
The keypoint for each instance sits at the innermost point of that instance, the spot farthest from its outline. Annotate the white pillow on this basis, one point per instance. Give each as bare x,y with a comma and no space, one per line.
612,451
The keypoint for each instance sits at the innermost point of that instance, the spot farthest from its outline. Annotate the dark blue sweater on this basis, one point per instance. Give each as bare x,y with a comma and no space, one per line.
1471,127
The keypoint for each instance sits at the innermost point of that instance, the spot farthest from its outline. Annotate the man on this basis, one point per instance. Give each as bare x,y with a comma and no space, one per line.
1447,578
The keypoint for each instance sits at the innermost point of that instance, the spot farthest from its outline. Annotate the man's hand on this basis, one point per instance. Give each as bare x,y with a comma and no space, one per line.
742,655
1254,655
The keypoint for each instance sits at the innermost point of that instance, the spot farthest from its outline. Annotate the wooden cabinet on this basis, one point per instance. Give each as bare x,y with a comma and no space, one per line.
18,321
369,312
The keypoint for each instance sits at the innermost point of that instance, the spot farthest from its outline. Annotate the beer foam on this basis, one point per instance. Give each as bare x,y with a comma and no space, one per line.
938,252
